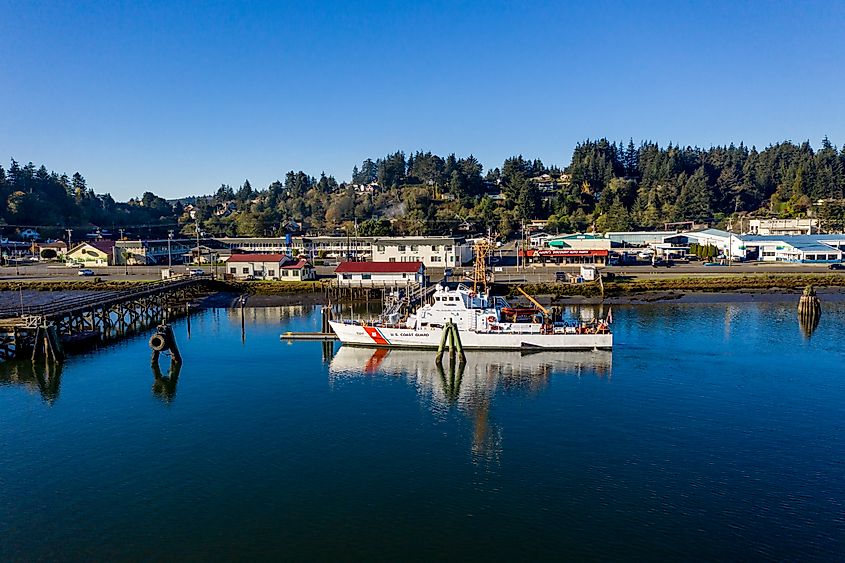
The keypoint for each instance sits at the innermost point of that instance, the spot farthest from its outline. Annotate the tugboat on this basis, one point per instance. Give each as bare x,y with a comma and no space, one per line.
484,323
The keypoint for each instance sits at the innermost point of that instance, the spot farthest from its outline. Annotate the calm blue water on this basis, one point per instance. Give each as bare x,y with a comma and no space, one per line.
712,432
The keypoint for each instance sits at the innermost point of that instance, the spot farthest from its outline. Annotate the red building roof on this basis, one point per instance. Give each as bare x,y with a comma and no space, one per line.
378,267
256,257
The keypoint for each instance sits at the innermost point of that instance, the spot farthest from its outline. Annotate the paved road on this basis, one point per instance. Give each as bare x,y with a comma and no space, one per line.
37,272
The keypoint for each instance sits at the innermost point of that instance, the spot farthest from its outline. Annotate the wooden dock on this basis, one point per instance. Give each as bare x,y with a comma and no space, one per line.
322,336
87,320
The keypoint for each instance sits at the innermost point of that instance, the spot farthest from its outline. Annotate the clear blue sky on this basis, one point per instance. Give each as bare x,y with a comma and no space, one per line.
179,98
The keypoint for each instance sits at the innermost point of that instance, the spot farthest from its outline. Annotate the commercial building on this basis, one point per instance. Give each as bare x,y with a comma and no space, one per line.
637,238
95,253
380,274
437,252
152,252
563,256
271,266
578,241
783,227
49,250
815,248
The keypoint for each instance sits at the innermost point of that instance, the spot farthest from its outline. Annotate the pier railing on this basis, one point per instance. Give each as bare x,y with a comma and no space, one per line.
75,302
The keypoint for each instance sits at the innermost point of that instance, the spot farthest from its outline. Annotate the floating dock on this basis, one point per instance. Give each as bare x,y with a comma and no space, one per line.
308,336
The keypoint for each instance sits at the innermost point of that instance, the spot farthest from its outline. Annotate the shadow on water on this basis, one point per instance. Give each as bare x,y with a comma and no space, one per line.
470,387
44,376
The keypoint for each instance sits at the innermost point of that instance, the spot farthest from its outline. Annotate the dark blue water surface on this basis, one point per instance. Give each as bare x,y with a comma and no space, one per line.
711,432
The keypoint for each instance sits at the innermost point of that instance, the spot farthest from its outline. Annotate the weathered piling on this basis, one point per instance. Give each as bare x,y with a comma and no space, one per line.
48,344
325,317
809,311
452,338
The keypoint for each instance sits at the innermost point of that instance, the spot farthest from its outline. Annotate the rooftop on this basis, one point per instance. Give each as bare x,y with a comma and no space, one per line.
378,267
258,257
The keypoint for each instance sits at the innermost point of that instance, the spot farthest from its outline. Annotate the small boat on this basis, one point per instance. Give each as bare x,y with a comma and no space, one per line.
483,322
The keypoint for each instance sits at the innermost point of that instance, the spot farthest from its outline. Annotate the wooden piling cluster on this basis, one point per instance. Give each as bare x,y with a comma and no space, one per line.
325,317
48,344
809,311
452,338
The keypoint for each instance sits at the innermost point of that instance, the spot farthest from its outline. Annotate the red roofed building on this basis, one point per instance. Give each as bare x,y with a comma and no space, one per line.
380,274
269,267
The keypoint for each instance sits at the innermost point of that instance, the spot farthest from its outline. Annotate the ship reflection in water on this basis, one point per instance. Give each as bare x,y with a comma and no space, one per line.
471,386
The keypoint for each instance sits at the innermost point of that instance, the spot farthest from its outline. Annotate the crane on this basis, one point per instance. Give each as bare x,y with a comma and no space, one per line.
534,301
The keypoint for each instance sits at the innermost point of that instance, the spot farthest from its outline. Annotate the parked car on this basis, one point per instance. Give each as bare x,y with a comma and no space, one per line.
560,276
447,272
85,272
196,272
836,266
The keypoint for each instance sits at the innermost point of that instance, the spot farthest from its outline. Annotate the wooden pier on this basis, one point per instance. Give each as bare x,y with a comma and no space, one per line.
40,331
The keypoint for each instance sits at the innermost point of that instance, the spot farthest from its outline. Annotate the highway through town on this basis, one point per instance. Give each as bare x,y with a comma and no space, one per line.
505,270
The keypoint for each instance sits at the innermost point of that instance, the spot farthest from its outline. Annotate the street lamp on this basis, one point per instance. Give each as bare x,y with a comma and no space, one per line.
198,244
169,259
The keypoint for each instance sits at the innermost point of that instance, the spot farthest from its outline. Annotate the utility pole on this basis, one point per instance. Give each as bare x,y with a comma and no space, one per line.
69,231
522,243
198,243
169,259
125,255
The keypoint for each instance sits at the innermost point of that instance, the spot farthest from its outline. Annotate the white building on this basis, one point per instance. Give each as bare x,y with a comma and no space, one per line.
637,238
436,252
780,227
380,274
269,267
815,248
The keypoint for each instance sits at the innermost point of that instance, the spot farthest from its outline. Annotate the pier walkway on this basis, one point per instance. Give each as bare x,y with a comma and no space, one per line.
97,316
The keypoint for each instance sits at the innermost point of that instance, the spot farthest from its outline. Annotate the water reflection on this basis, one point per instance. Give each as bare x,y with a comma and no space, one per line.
46,377
808,324
164,386
470,387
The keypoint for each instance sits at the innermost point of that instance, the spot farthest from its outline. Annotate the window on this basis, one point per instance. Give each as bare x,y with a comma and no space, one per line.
435,247
436,259
393,259
233,270
284,273
272,273
401,248
245,270
366,276
447,248
294,273
414,248
347,276
381,248
404,276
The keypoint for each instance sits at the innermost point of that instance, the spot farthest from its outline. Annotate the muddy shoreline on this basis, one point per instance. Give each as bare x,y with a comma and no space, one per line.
830,294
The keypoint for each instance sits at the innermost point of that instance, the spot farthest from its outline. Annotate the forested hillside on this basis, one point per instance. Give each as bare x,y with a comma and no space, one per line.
606,186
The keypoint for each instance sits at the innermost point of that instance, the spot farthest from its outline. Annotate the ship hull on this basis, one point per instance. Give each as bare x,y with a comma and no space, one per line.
384,337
